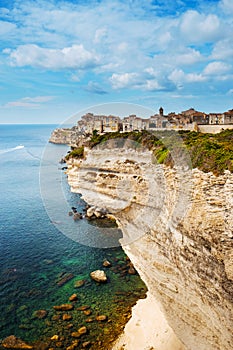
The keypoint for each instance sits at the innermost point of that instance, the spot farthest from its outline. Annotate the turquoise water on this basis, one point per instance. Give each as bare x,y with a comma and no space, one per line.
39,265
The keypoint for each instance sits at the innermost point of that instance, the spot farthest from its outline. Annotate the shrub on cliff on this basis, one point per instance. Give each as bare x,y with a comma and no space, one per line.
76,153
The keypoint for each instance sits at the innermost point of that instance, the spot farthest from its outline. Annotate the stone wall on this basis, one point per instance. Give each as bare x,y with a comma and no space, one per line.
214,129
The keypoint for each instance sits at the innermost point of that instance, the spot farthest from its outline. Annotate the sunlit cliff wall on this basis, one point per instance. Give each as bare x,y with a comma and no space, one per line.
177,228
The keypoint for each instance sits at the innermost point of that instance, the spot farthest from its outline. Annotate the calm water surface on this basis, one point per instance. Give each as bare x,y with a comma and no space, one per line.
39,265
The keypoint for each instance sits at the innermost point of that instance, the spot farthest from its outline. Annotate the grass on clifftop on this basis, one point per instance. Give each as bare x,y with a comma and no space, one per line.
208,152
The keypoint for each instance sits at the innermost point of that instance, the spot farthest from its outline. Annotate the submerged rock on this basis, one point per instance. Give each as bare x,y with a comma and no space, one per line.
83,307
132,271
77,216
63,307
40,314
73,297
55,337
79,283
106,263
82,330
66,317
99,276
64,279
86,344
12,342
101,318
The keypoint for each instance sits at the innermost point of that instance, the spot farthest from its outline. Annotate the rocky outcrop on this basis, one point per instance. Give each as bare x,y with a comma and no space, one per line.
67,136
177,226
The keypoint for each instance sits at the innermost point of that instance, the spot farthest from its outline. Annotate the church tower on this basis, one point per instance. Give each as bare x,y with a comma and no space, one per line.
161,111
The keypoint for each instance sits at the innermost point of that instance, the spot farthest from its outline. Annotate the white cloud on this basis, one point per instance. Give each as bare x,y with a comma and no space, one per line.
148,80
6,27
227,6
40,99
129,44
198,28
178,76
29,102
217,68
223,49
189,57
125,80
69,57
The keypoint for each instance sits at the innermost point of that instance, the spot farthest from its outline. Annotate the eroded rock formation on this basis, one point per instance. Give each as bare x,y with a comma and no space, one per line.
177,228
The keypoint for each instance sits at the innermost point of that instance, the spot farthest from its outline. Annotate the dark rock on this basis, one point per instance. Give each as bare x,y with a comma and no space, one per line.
132,271
86,344
64,279
79,283
40,314
56,318
77,216
82,308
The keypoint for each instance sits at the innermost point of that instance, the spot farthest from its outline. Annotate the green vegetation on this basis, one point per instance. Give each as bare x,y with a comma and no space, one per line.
76,153
208,152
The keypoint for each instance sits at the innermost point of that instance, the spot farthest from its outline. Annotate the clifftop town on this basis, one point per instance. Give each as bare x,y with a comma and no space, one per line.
190,119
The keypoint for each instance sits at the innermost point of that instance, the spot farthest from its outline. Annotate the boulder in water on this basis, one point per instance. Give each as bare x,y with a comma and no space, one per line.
99,276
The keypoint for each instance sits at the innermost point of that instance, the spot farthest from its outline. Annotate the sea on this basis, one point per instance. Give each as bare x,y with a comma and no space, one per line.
42,264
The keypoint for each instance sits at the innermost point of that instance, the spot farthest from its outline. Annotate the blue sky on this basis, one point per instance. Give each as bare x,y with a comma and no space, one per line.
58,57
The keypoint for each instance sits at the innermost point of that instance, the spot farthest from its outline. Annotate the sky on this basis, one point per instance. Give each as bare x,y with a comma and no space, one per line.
59,57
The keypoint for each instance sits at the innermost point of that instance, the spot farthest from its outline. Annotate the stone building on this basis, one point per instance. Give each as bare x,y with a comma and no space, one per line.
216,118
228,117
101,123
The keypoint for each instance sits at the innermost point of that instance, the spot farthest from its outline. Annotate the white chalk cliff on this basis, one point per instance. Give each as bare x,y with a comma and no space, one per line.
177,229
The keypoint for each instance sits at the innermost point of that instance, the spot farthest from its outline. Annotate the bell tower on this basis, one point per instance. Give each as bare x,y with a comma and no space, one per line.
161,111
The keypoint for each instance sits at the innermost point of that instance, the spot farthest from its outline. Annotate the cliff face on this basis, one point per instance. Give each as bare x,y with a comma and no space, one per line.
178,231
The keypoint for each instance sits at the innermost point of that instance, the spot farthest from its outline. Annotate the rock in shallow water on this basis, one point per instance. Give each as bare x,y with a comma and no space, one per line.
40,314
73,297
99,276
106,263
12,342
63,307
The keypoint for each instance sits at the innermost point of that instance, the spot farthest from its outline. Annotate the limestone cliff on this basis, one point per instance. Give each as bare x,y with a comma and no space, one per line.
177,228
